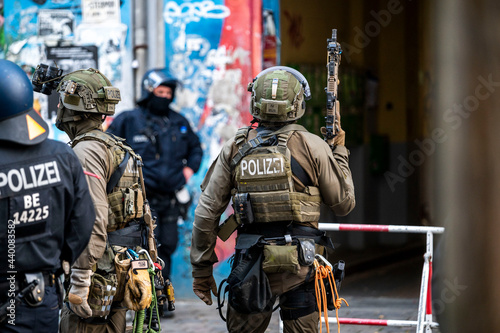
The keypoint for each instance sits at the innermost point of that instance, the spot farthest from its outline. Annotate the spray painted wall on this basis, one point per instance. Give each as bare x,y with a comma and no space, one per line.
76,34
214,49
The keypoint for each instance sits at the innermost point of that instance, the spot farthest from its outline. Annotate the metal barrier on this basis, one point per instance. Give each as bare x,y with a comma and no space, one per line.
424,321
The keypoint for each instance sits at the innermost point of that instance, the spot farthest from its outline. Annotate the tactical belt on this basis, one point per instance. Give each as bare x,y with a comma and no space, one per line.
279,229
129,236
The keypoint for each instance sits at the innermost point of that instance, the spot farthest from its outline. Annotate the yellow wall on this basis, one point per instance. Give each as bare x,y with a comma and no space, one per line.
386,52
305,26
392,75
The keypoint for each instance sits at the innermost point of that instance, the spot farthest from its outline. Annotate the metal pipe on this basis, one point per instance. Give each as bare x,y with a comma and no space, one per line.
140,44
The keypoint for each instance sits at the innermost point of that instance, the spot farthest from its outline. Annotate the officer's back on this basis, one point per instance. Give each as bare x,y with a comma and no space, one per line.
45,209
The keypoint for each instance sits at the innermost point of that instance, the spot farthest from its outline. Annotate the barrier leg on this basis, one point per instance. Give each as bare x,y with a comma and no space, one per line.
424,287
428,311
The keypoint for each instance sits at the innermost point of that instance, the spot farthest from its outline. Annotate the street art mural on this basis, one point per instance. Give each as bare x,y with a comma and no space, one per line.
73,34
214,49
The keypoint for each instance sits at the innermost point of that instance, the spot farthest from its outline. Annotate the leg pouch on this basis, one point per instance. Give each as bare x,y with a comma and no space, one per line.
248,285
102,293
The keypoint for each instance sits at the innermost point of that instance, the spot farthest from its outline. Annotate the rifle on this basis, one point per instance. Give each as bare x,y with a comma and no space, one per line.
334,51
148,219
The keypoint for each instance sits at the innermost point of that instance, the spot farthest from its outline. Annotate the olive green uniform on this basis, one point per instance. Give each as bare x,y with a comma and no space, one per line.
97,159
328,171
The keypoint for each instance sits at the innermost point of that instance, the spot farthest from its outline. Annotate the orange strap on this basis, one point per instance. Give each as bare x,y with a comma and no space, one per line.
323,272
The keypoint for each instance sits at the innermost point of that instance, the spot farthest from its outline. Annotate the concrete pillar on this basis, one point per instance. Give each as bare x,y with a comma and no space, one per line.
467,178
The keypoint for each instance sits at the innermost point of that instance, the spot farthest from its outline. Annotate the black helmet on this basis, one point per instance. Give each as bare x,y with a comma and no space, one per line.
152,79
18,121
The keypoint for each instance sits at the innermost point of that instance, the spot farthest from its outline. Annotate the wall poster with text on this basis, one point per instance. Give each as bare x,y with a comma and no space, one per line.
72,34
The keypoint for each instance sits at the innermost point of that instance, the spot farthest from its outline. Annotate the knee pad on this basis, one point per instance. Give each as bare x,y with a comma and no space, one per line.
298,302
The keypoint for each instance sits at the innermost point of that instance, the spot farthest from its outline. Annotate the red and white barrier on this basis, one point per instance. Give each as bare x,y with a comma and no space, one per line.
424,322
377,322
411,229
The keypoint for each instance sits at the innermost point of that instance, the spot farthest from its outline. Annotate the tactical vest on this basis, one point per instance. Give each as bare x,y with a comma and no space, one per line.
263,169
124,190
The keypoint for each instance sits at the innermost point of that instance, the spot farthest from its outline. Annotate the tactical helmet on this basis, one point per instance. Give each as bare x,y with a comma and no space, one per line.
88,90
152,79
279,94
18,121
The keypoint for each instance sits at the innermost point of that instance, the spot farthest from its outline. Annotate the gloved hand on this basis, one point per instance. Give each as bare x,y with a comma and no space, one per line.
202,287
138,292
339,140
79,292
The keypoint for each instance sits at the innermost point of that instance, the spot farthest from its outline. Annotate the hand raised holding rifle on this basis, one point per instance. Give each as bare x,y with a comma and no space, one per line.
332,131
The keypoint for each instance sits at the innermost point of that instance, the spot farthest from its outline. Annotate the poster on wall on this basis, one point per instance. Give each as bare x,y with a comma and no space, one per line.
214,49
76,34
69,58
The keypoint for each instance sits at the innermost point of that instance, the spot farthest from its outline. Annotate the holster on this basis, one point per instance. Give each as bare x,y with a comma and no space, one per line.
35,297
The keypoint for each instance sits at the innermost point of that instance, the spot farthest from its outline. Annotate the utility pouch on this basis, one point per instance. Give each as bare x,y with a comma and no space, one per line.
132,203
307,250
243,208
101,294
280,258
115,211
227,228
35,297
122,265
248,285
124,206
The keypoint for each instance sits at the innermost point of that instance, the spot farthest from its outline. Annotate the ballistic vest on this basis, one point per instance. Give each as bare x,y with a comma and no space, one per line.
262,168
124,190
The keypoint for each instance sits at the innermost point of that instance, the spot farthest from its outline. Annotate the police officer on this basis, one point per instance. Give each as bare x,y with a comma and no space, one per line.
277,175
171,152
46,212
97,296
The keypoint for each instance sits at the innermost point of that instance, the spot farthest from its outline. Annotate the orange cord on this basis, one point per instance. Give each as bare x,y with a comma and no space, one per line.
323,272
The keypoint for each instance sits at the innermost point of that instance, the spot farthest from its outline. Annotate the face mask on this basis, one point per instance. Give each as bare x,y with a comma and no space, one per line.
79,124
159,106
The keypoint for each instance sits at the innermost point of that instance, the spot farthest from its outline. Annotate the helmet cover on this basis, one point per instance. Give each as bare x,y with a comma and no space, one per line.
279,94
88,90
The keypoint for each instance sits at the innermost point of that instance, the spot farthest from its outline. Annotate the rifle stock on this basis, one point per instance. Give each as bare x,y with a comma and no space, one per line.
334,51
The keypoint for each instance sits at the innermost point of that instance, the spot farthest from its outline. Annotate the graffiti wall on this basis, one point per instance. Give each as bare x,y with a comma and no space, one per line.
214,49
72,34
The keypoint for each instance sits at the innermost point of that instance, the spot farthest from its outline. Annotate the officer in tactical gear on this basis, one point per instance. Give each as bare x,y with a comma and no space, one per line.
97,298
171,152
277,175
46,211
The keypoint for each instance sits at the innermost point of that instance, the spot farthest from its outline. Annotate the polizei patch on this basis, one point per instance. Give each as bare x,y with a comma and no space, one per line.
268,166
17,180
